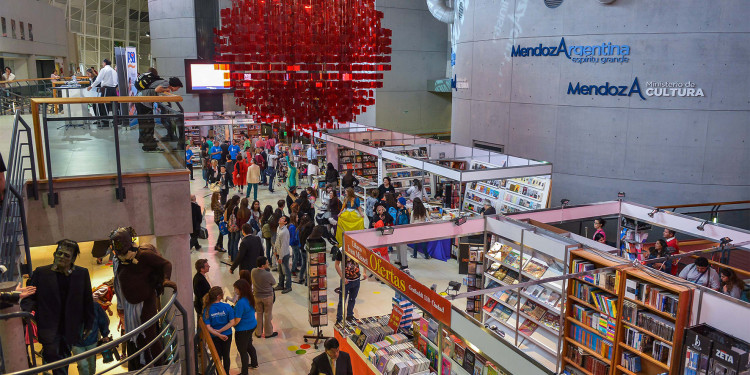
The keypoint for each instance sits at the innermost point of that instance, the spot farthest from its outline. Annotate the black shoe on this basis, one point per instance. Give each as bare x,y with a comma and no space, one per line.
285,291
272,335
397,262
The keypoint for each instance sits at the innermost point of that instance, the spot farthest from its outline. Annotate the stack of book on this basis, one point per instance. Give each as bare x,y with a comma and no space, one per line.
591,341
631,362
656,325
587,361
603,324
407,307
652,296
401,359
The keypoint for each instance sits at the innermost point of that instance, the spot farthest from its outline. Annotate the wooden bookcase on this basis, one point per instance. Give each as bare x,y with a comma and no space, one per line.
615,294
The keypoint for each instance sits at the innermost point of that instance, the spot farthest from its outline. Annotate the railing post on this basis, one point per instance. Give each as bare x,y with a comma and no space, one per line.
24,229
119,190
51,195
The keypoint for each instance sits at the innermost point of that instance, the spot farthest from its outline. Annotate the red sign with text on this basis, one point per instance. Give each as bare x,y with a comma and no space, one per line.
428,300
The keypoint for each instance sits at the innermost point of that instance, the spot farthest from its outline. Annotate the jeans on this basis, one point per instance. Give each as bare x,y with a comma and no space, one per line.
220,239
268,248
264,314
352,290
254,188
295,258
54,351
421,247
85,366
285,274
222,347
205,176
263,178
234,241
244,342
271,174
303,269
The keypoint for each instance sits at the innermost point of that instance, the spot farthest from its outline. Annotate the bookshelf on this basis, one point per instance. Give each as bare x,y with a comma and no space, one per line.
507,196
317,285
623,321
530,316
473,279
401,176
361,164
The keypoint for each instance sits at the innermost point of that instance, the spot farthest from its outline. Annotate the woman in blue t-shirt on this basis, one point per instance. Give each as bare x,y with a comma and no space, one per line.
219,319
244,324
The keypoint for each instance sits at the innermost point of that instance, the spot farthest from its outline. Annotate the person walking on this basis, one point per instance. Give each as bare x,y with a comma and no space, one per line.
263,283
292,175
224,181
218,210
294,244
244,325
250,250
240,174
219,319
230,216
350,276
271,168
253,179
87,366
262,163
200,283
197,216
283,253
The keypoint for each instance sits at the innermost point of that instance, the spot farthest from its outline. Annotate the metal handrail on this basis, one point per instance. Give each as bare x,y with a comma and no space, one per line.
12,211
29,332
173,302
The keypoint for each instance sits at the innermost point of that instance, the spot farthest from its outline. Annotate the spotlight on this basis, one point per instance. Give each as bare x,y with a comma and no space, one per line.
459,220
385,231
621,195
433,287
564,202
725,241
654,212
702,225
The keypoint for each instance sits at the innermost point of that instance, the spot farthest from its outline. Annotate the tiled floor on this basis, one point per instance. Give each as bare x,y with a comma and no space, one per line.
290,310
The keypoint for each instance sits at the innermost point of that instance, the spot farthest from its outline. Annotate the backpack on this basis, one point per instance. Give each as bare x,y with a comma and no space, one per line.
145,80
402,217
232,226
223,227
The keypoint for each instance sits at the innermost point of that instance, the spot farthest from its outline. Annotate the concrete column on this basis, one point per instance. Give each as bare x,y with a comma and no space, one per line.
172,28
176,248
11,336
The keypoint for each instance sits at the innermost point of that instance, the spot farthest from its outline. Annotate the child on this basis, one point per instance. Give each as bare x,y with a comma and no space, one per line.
372,199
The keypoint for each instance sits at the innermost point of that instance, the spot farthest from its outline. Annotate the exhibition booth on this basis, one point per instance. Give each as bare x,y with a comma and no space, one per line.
529,298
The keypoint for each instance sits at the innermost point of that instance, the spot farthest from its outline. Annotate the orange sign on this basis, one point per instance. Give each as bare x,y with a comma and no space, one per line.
428,300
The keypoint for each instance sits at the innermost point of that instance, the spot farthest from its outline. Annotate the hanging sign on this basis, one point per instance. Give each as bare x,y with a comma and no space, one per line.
428,300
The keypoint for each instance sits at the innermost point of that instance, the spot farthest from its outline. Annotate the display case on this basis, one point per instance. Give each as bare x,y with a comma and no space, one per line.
508,195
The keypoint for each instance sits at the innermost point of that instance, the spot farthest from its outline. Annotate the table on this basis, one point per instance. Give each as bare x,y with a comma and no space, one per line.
77,110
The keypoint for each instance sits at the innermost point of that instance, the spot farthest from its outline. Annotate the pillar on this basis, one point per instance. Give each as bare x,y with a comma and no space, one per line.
11,335
176,249
172,28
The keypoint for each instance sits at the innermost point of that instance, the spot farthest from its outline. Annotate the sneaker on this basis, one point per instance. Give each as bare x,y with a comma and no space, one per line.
285,291
272,335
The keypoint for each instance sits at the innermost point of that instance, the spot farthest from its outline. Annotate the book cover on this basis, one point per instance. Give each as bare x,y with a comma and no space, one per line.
458,352
469,358
536,268
313,271
321,270
490,305
551,320
528,327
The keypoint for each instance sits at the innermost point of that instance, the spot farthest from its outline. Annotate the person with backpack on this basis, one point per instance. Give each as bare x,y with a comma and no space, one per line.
218,210
157,87
230,216
402,218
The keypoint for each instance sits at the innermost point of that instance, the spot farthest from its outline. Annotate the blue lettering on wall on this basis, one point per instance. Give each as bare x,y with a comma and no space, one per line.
606,89
603,54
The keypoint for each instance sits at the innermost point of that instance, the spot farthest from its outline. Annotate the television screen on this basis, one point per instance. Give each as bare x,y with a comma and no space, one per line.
206,76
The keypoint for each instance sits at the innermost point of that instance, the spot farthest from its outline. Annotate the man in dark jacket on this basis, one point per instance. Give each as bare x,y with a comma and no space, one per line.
63,305
250,249
197,214
323,364
200,283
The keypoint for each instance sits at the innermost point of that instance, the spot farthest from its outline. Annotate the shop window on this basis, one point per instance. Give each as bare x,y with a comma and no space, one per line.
23,32
13,29
31,34
552,3
5,30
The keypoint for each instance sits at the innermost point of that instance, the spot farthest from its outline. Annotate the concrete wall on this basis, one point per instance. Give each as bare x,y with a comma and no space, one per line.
662,150
420,45
49,29
172,27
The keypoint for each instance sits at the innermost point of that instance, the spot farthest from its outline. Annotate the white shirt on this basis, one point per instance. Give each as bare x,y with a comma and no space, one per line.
10,77
312,169
107,77
312,154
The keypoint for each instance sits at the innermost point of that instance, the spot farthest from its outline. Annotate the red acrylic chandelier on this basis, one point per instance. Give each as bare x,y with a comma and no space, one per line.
309,63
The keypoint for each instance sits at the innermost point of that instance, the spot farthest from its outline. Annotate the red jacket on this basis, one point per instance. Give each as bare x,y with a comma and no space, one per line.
240,173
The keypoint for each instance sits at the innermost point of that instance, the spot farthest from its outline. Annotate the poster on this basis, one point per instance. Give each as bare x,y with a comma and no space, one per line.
132,74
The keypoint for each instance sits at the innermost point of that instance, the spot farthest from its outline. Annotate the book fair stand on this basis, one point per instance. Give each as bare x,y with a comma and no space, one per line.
722,345
536,299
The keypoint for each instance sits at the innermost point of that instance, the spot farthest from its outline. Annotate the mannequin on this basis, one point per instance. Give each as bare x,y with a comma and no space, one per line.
63,305
140,277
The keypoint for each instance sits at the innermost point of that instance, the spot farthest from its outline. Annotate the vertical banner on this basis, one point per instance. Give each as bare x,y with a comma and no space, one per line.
132,75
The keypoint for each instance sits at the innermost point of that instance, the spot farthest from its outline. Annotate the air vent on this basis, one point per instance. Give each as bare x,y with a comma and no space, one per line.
552,3
461,11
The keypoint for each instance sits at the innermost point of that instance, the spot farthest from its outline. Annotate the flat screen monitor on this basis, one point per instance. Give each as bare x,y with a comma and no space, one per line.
205,76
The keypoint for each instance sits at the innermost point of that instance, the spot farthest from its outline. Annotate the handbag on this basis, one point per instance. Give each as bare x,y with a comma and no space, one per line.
214,187
203,233
223,228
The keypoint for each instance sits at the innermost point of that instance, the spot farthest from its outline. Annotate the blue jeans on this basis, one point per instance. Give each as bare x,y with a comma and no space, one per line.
253,187
271,174
85,366
352,290
263,176
295,258
205,176
421,247
285,274
234,241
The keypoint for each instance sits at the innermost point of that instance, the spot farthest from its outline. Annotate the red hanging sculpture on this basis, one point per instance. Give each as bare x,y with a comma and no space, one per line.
311,63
